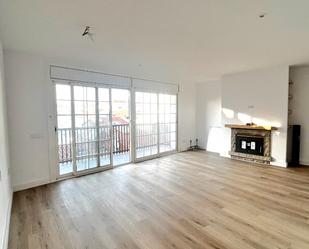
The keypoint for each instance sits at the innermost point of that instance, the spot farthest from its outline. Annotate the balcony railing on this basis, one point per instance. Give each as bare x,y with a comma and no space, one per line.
91,140
86,140
121,138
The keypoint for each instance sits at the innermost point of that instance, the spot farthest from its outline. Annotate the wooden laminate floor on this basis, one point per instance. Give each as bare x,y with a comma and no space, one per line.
187,200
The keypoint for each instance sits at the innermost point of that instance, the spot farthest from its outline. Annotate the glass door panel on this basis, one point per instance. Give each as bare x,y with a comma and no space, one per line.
167,122
88,120
146,124
121,126
104,126
156,123
93,126
64,129
86,142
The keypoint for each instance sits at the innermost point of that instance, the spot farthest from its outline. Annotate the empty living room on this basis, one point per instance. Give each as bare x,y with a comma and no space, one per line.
154,124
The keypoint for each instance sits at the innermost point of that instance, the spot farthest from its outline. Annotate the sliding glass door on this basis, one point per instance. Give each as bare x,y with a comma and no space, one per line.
155,124
146,124
120,100
64,129
93,128
104,126
85,128
167,122
94,131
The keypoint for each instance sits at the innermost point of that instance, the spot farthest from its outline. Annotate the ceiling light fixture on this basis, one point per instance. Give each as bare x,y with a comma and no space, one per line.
88,33
262,15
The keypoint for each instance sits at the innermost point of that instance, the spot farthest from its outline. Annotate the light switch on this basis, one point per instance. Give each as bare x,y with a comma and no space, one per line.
252,145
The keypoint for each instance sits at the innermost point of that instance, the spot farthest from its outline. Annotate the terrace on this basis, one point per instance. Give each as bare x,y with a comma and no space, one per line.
87,146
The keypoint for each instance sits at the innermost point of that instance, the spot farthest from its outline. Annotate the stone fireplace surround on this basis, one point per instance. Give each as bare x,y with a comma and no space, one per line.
251,130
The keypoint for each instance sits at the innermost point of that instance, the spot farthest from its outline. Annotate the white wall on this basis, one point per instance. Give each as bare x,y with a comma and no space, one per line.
208,115
29,92
186,115
299,105
5,183
260,96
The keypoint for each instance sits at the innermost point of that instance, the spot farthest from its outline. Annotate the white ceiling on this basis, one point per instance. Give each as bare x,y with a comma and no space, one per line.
162,39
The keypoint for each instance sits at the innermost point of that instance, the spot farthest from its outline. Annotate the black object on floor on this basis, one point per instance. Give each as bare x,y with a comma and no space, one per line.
293,145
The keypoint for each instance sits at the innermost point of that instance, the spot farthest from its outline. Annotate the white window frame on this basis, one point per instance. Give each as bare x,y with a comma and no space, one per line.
68,76
159,154
74,173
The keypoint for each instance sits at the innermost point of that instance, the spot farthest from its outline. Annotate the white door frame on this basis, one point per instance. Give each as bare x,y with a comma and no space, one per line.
159,154
52,123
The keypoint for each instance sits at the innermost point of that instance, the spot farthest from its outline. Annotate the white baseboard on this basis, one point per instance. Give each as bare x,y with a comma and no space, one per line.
279,164
225,155
304,162
31,184
6,232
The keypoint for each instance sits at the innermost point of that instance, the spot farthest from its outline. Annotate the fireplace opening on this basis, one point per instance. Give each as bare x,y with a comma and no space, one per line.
250,144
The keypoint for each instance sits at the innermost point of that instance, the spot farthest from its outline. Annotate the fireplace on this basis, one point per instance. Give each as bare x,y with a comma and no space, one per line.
250,144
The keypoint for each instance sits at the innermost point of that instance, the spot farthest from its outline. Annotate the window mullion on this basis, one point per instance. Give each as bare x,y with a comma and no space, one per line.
73,131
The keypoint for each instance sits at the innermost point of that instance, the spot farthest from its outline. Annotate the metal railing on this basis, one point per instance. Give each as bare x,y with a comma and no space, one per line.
121,138
88,142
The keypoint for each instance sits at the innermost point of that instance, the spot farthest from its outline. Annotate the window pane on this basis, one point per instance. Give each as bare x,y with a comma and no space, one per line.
64,122
147,108
91,107
139,119
104,120
80,121
146,119
154,107
64,107
173,99
167,108
167,98
173,136
154,118
80,107
103,94
79,93
146,97
161,108
120,95
167,117
63,92
161,118
104,133
139,97
81,149
161,98
103,107
173,108
146,124
80,135
173,118
91,120
154,98
90,93
139,108
173,145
